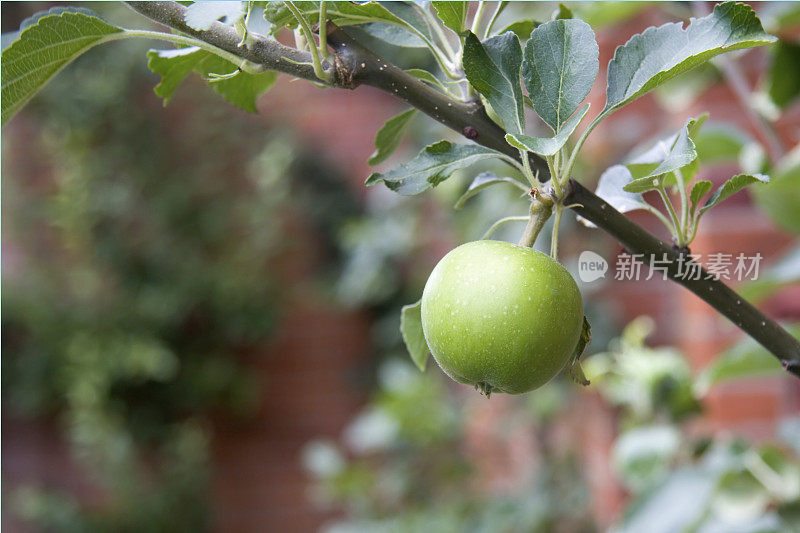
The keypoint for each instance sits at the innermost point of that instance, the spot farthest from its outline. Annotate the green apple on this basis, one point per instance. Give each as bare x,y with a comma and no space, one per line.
501,317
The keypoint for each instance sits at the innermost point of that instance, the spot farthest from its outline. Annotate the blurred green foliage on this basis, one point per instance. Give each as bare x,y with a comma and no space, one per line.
403,464
140,269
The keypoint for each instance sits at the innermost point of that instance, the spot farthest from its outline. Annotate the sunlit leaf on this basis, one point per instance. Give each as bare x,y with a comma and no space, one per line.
699,190
732,186
44,48
453,14
658,54
560,65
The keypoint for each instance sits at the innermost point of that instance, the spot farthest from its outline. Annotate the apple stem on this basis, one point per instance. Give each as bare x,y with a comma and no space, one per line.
541,209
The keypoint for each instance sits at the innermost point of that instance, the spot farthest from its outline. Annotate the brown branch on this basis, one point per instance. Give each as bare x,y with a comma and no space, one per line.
355,65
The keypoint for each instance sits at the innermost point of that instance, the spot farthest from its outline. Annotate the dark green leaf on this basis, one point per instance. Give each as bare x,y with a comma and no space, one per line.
201,15
561,63
44,48
173,66
522,28
433,165
784,76
732,186
453,14
789,514
389,136
414,338
493,69
484,180
546,146
658,54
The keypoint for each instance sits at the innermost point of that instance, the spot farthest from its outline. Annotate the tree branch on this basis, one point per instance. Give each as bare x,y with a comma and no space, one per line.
713,291
354,65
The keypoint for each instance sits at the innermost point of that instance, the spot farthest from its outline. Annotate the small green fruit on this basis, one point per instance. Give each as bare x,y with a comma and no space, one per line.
501,317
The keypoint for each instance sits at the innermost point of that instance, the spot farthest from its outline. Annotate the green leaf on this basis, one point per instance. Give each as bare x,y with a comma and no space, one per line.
739,497
484,180
600,14
43,49
393,34
719,142
493,69
744,360
610,188
642,455
732,186
201,15
389,136
453,14
681,153
563,12
658,54
686,493
427,77
546,146
351,13
780,199
522,28
574,370
434,164
411,329
561,63
173,66
643,164
780,275
698,191
784,75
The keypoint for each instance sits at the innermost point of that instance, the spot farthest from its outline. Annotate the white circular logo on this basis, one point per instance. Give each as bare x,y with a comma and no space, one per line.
591,266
